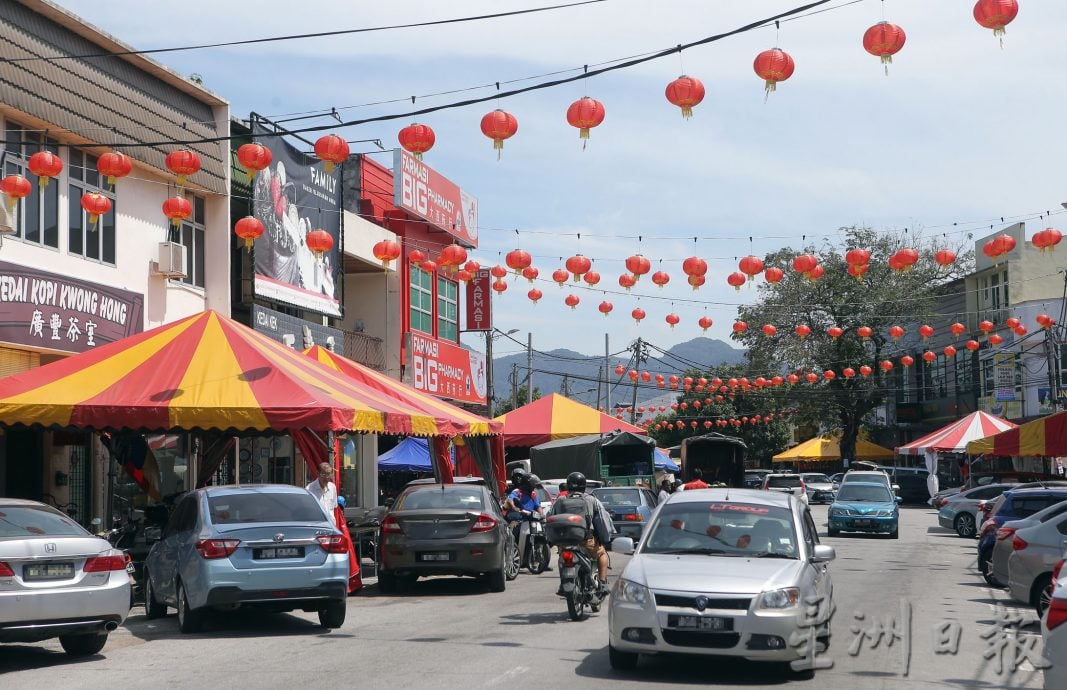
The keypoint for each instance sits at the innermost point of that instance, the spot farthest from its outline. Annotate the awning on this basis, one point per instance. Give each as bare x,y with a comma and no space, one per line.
204,372
553,417
954,437
410,455
664,462
460,422
1046,436
828,448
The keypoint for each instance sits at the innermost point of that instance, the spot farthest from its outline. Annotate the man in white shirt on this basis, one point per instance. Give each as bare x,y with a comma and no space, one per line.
323,488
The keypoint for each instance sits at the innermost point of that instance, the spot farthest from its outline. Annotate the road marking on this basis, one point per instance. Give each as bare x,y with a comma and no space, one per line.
509,675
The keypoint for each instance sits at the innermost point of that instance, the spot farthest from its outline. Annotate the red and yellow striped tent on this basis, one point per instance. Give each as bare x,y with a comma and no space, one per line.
1042,437
205,372
553,417
459,421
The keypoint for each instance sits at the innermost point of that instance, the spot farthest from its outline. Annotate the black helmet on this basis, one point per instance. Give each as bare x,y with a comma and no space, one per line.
517,476
576,482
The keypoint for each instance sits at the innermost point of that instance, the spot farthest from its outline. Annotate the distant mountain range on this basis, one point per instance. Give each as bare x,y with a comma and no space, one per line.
575,374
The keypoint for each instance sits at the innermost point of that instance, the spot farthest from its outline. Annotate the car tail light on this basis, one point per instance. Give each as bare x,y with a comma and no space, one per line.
391,526
1055,572
1005,532
5,570
216,548
567,557
633,517
1057,613
1018,543
942,502
101,564
988,526
484,523
332,543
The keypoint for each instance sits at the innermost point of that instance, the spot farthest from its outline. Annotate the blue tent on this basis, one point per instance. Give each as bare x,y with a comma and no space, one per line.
664,461
410,455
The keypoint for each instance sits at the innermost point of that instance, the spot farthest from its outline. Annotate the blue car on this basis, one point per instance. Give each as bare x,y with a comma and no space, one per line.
864,507
630,508
271,547
1015,504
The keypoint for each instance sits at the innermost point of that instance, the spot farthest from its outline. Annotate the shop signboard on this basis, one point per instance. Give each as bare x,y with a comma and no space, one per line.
479,303
1007,409
49,311
293,196
423,192
303,334
444,369
1004,376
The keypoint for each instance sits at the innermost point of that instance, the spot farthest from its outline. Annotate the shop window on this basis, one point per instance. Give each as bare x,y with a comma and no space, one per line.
421,298
447,309
95,242
37,215
191,234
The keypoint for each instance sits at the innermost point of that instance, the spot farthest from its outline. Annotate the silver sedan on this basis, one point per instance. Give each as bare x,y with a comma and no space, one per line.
58,580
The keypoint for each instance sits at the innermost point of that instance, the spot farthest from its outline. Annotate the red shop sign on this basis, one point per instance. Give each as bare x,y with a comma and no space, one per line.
421,191
479,304
444,369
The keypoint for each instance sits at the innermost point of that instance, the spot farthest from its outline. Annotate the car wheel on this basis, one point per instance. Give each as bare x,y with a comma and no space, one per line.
386,582
497,581
1041,594
333,616
152,607
831,532
83,645
965,525
511,560
622,661
189,620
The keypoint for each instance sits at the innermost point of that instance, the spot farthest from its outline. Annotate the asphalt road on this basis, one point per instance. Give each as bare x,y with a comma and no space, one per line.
451,633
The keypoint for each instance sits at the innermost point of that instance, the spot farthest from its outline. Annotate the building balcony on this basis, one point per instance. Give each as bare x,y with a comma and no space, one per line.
365,349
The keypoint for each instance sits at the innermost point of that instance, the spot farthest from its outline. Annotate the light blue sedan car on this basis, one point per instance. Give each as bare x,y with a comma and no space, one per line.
864,507
271,547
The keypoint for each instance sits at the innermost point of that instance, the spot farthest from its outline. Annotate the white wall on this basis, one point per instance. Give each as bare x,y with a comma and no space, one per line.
373,298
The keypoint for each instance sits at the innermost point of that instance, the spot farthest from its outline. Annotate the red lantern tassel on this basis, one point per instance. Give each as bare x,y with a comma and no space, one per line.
687,112
887,60
498,144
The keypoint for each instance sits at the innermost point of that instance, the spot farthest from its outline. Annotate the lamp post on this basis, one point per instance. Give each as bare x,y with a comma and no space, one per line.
490,336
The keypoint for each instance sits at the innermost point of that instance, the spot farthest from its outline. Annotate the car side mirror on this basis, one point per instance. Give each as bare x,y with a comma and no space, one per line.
623,545
899,499
824,553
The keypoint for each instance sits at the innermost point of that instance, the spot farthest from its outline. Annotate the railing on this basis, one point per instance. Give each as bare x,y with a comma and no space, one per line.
365,349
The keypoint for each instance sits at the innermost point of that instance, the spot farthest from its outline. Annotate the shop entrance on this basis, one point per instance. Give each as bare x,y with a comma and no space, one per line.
23,477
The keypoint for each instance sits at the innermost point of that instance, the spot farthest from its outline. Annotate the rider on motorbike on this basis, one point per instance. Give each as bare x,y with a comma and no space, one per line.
599,525
522,499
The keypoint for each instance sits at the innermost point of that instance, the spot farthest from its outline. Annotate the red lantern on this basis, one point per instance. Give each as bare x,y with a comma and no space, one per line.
907,361
858,271
995,340
857,257
1004,244
751,266
639,314
886,365
849,372
696,281
929,356
183,163
926,331
646,377
500,286
95,205
834,332
498,272
769,330
802,331
332,150
585,113
816,273
792,379
627,281
805,263
498,126
957,329
177,209
737,279
864,332
945,257
773,66
385,251
15,187
705,323
740,327
909,257
773,274
986,326
452,256
685,92
950,351
661,278
829,375
776,381
253,158
995,15
1020,331
45,165
530,273
896,332
251,229
417,139
895,263
605,308
672,319
416,257
884,40
812,377
319,242
114,165
638,265
560,276
619,370
572,301
972,345
591,277
534,294
464,276
1047,239
1012,322
1044,320
866,370
694,266
578,265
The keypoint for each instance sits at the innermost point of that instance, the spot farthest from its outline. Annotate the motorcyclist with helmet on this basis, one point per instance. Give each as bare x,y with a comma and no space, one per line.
522,499
597,520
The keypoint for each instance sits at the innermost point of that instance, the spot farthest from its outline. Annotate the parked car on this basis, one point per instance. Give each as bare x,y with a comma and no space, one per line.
1035,552
1054,632
754,478
959,512
979,478
630,508
722,572
1013,510
265,546
864,507
786,483
876,476
58,580
913,487
819,487
445,529
837,478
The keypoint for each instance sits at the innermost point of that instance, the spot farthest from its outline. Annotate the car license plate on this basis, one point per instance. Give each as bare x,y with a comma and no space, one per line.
48,571
278,552
701,623
861,523
435,557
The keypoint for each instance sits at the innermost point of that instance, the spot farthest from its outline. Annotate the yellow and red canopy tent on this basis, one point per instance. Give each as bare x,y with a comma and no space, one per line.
1041,437
554,417
828,448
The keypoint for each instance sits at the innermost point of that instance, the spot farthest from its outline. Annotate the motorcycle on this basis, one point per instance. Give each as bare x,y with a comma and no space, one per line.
533,551
579,582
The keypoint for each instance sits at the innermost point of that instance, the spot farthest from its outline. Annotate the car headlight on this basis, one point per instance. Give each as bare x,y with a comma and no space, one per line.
840,512
884,513
780,598
631,593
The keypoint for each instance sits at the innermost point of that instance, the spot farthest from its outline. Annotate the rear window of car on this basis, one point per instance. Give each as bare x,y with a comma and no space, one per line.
722,528
619,497
816,479
435,497
262,506
32,521
864,494
783,482
1027,506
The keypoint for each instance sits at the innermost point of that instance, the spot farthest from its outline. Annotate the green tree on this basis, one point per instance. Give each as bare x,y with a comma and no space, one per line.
881,298
504,405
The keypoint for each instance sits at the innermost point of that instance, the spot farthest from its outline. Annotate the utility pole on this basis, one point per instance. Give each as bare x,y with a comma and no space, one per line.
514,383
565,387
489,374
640,350
599,371
529,368
607,374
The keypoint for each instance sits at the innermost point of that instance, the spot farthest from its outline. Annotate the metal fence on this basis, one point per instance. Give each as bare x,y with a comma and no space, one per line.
365,349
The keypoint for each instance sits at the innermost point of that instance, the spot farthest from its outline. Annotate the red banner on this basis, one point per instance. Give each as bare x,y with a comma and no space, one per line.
479,305
444,369
421,191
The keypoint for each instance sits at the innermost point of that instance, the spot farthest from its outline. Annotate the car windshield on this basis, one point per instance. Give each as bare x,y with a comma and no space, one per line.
783,482
864,494
434,497
37,521
618,497
722,528
264,506
816,479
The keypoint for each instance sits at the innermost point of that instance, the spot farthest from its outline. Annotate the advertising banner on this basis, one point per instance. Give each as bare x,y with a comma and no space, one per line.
292,197
46,310
479,304
421,191
1004,368
304,333
445,369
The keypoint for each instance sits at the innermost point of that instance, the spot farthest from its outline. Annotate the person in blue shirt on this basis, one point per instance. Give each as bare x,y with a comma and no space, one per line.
523,499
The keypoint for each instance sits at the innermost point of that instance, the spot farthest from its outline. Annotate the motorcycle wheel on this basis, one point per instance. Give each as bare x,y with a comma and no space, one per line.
576,605
539,558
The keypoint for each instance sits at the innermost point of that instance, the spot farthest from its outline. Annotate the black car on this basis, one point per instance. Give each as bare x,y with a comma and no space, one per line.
912,483
630,508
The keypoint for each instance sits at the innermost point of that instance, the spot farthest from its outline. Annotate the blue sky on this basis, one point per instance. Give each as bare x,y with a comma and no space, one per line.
960,131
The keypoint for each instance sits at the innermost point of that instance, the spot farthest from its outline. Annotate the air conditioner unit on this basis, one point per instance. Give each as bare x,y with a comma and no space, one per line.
171,261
